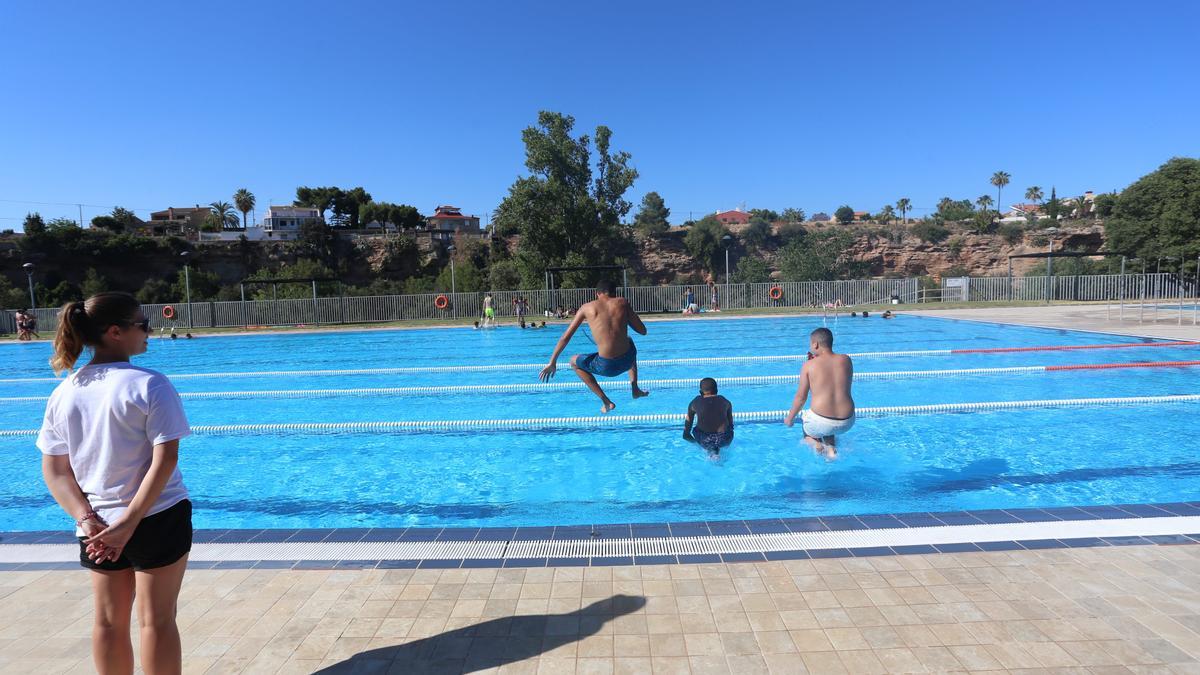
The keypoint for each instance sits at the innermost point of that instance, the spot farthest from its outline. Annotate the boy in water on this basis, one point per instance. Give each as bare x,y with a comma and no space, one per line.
610,318
713,415
828,376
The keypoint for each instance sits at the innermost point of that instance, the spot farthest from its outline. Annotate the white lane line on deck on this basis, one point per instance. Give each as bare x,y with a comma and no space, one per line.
586,548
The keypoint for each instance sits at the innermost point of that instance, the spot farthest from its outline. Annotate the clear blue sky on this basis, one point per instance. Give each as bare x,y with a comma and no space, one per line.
156,104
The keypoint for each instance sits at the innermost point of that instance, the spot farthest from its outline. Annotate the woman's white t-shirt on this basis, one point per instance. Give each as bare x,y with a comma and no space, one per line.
108,418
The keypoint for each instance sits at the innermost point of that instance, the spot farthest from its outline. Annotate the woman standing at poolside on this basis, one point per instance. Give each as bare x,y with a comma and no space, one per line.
110,446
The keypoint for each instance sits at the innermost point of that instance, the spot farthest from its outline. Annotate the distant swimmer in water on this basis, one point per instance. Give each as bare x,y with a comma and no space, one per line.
610,319
713,415
828,376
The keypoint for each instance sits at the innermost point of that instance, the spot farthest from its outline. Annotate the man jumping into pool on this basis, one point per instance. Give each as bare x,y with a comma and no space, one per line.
828,376
610,319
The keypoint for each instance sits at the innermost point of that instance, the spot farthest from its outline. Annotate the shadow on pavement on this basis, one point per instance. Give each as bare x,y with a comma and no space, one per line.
490,644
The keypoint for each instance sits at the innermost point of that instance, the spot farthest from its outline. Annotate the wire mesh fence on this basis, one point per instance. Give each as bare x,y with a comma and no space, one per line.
544,303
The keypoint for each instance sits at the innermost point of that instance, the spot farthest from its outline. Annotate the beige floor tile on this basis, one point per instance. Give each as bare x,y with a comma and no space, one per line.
704,644
811,640
862,662
670,665
827,663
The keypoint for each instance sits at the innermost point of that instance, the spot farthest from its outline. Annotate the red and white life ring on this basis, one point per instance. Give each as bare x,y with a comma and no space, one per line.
441,302
168,312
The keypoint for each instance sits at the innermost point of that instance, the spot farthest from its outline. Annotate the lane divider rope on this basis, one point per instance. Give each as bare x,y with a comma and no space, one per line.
585,422
676,383
534,367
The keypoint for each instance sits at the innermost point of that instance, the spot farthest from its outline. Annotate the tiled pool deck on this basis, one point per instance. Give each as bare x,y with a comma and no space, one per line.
656,543
1116,609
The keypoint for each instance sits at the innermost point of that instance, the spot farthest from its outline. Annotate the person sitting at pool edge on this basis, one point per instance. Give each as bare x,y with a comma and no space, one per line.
610,319
713,415
828,375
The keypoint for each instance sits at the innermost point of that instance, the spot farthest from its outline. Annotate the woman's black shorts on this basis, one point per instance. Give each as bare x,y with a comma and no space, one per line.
158,541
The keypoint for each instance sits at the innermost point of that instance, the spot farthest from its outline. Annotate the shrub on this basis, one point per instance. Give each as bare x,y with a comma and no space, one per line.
1011,233
930,232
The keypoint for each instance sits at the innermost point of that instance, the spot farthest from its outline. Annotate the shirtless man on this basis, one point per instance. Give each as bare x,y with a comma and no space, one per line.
610,318
828,376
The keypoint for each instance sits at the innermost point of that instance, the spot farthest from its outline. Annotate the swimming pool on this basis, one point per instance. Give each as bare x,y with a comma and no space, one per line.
582,473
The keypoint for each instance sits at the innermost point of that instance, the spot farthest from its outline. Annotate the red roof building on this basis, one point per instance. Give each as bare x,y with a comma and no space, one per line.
448,217
734,217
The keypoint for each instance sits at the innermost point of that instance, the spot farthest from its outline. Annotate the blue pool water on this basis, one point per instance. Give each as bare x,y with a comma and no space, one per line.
646,472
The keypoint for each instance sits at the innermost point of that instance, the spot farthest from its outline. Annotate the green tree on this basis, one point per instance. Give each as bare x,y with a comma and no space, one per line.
204,284
319,198
1053,206
703,242
651,218
984,202
11,296
63,225
793,215
504,276
34,225
757,233
243,199
93,283
315,240
154,291
303,268
467,277
345,205
903,205
1034,194
1104,203
751,270
844,214
954,209
1000,179
823,256
107,222
126,217
566,215
766,214
223,214
1159,215
886,214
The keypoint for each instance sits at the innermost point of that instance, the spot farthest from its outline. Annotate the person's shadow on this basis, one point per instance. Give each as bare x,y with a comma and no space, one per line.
490,644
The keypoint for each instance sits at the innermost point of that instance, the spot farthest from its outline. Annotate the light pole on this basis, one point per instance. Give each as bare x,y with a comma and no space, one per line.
726,240
453,306
1050,265
29,273
187,285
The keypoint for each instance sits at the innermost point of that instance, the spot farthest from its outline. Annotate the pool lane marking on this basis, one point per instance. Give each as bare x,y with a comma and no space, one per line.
598,547
586,422
657,384
767,358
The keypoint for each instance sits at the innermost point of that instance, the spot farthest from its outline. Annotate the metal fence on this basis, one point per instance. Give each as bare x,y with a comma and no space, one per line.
374,309
1111,287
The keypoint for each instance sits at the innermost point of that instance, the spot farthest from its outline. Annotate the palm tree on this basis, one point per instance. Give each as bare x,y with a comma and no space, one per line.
984,202
223,213
244,201
886,214
1000,179
903,205
1034,194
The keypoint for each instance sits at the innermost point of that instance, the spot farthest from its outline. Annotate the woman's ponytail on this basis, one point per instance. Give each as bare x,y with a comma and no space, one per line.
68,340
81,324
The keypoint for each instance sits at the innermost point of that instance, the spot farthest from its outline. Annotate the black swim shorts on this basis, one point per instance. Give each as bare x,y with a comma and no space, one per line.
159,540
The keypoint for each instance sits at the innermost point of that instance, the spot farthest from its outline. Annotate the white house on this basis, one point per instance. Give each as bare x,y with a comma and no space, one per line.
282,223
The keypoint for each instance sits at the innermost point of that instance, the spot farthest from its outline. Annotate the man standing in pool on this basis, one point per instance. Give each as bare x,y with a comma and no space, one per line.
828,376
610,319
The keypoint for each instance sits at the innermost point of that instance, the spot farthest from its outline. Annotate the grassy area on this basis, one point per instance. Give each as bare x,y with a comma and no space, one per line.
466,322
